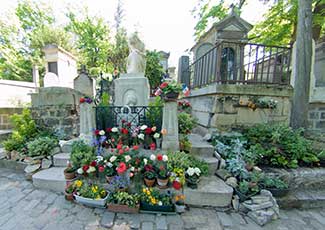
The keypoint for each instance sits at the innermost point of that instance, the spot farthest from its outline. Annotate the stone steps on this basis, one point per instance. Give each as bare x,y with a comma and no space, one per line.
211,191
50,179
200,147
305,199
61,159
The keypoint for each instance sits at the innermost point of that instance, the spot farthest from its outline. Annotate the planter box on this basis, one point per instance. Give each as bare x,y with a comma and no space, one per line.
123,208
91,202
156,208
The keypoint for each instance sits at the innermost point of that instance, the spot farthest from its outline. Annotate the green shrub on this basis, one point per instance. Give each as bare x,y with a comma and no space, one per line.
154,113
81,154
280,146
24,129
41,146
184,161
185,123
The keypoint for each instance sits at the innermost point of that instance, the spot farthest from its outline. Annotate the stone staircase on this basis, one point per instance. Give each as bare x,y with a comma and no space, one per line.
212,191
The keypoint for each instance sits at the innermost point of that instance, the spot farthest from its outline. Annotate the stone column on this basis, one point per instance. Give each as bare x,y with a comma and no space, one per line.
170,123
87,121
183,70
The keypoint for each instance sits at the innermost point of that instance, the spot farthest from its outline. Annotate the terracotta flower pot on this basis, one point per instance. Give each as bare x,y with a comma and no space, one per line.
68,196
162,182
68,175
149,182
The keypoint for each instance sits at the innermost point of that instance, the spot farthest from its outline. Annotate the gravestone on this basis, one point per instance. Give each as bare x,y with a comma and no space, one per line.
51,80
84,84
132,89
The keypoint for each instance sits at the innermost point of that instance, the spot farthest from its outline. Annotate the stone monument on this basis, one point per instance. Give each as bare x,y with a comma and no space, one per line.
132,88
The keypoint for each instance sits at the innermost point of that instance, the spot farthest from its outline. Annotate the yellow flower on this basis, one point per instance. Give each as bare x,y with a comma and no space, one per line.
98,197
78,183
94,189
144,190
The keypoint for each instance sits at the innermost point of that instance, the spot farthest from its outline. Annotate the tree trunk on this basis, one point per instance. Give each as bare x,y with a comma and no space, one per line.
303,57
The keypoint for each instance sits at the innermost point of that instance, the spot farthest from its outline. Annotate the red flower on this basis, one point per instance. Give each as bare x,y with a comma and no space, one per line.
163,85
109,130
82,100
101,168
127,149
96,132
129,124
123,121
85,168
177,185
124,131
136,147
119,146
159,157
93,163
121,168
148,131
113,140
120,151
153,146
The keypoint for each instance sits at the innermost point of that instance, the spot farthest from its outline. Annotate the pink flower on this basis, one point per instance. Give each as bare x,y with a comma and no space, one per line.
101,168
121,168
152,146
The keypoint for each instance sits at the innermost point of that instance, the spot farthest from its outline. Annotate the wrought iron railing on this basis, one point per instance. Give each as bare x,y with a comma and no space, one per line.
112,116
241,63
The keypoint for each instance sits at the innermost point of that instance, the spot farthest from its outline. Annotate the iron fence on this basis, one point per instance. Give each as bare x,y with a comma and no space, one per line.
241,63
112,116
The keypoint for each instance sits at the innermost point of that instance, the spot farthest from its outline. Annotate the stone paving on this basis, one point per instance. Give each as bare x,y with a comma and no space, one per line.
24,207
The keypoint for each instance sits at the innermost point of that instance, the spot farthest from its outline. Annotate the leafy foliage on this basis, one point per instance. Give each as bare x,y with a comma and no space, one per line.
81,154
185,123
123,198
24,129
154,71
183,161
41,146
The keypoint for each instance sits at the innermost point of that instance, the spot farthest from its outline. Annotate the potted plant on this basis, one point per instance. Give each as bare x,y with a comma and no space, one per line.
69,172
149,178
90,194
245,190
120,183
180,203
169,90
192,176
109,172
276,186
184,144
162,177
68,192
123,202
152,200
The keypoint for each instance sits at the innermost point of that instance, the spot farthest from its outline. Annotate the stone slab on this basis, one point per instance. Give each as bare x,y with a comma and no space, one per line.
211,191
61,159
212,162
50,179
200,147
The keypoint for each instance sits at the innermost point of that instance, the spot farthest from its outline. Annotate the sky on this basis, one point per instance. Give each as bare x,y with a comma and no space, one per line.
166,25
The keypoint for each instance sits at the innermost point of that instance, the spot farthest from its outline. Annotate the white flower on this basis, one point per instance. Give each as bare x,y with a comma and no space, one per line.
91,169
141,136
132,168
109,164
190,171
102,132
160,203
80,171
112,159
152,157
114,130
156,135
197,171
99,158
165,158
143,127
145,161
127,158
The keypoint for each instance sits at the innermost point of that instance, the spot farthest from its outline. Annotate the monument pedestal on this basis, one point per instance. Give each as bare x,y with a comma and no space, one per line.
131,89
170,123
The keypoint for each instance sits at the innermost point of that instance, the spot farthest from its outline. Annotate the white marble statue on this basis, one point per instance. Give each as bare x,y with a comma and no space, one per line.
137,59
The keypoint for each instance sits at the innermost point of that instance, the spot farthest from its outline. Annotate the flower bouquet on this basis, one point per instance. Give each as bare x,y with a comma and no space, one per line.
169,90
123,202
90,194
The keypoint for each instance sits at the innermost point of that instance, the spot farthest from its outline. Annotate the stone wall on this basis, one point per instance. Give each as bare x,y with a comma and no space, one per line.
219,106
5,114
316,117
58,109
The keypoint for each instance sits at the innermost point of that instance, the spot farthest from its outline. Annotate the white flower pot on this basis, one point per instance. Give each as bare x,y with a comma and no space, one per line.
91,202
